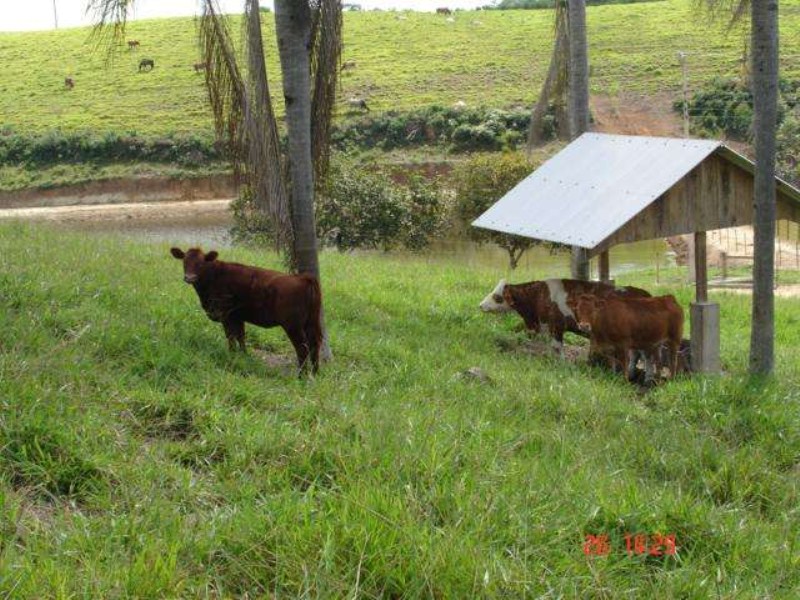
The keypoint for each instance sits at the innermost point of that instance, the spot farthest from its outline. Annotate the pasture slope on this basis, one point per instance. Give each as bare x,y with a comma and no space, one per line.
403,61
139,459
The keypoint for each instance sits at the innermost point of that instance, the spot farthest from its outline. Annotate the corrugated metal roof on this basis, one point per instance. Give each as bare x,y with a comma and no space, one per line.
593,187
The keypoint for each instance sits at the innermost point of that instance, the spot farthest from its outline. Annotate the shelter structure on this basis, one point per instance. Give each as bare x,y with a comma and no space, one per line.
602,190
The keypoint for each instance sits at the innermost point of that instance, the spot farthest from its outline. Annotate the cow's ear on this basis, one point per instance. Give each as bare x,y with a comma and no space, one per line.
212,256
177,253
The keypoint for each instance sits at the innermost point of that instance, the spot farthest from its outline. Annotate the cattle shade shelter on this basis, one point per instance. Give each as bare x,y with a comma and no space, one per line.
602,190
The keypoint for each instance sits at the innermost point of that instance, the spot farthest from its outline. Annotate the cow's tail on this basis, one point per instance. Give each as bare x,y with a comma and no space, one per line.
314,322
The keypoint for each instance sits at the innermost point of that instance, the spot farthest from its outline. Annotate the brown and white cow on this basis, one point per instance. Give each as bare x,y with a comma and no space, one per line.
620,327
548,302
234,294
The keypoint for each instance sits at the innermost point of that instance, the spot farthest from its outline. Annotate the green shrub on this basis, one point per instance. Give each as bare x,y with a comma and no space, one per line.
250,225
59,147
365,209
482,181
466,129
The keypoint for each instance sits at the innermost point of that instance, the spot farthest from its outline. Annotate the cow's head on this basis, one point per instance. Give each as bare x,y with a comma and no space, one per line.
194,262
585,308
498,300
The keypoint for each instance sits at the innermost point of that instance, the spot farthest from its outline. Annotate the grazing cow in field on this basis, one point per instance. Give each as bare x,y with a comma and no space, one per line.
199,66
235,294
348,64
444,11
620,327
133,44
147,63
548,303
359,103
69,83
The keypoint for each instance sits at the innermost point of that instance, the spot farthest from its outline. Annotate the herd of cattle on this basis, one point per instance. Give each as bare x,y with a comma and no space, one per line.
624,324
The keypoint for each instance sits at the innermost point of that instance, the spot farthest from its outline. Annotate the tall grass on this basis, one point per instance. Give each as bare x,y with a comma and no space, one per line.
138,458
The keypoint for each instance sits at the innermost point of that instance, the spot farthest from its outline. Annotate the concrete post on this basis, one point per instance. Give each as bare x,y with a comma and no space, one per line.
705,337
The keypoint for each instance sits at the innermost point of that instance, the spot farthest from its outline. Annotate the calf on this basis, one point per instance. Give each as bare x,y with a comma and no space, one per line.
619,327
146,64
235,294
548,303
133,44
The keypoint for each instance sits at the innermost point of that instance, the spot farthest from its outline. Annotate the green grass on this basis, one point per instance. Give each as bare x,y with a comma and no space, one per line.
493,58
138,458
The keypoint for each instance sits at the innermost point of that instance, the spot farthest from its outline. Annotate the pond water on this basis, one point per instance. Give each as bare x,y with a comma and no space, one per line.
213,230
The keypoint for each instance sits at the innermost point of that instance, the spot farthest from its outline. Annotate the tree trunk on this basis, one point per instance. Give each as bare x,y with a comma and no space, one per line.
764,74
578,103
293,31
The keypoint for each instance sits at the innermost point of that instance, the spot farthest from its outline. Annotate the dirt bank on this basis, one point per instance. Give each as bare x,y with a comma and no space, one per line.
140,211
122,191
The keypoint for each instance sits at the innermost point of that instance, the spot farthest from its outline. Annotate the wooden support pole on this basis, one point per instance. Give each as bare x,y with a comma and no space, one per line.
603,267
700,266
704,315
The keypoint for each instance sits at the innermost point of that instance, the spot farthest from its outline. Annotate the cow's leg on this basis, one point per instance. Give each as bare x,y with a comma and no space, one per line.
234,331
674,349
298,338
557,335
313,346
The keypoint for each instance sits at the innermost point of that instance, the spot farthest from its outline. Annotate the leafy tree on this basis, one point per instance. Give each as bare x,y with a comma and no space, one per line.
482,181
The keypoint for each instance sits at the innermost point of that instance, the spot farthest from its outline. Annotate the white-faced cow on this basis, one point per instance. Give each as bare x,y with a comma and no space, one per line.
548,302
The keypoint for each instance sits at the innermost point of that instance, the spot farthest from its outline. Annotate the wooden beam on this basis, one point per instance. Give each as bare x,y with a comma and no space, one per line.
603,267
700,266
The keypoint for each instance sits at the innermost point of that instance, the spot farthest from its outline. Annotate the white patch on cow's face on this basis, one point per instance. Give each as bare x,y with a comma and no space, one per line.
495,302
558,295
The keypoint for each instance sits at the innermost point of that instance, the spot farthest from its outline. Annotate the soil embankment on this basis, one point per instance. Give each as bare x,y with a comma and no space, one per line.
122,191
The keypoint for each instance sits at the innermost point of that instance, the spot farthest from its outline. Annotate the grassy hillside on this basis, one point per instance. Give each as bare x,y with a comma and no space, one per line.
139,459
403,61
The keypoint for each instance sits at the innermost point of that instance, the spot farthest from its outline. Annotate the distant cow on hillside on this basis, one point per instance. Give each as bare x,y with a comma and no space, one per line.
199,66
69,83
235,294
348,64
444,11
133,44
146,64
359,103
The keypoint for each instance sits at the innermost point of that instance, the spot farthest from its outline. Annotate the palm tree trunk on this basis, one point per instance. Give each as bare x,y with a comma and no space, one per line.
764,74
293,31
553,86
578,103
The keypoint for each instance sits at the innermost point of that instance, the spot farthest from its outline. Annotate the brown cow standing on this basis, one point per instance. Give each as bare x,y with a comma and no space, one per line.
549,302
133,44
444,11
620,327
235,294
69,83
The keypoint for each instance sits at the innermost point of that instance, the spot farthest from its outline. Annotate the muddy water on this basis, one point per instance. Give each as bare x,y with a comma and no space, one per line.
212,230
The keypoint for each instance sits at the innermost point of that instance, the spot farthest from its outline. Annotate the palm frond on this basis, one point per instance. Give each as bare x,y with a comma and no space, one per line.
735,12
266,176
110,18
326,53
243,115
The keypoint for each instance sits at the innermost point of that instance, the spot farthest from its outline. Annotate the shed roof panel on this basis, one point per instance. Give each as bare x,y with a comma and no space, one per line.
593,187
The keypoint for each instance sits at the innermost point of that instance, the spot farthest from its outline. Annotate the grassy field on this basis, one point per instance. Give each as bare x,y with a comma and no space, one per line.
139,459
493,58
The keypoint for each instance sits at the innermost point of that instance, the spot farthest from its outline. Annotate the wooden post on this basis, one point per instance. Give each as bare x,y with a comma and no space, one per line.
700,266
603,267
704,315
